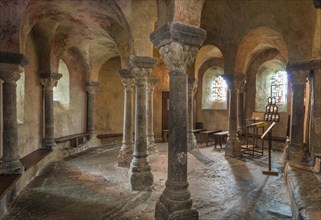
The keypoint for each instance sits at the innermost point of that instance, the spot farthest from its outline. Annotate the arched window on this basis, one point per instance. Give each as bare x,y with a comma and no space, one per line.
214,89
279,86
61,92
219,89
271,80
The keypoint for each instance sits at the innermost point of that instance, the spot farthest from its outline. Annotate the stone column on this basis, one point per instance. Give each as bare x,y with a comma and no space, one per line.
126,152
151,147
10,74
91,88
191,140
178,44
49,81
141,177
233,145
295,150
240,106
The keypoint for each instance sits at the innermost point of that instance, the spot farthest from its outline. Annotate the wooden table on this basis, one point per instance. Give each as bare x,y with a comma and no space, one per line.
256,146
205,135
219,137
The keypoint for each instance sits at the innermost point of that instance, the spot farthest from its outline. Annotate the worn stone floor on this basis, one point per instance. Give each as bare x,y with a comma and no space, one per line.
89,185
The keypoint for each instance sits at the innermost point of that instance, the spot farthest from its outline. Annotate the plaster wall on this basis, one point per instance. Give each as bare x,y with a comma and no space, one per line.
233,19
30,139
72,119
162,73
109,106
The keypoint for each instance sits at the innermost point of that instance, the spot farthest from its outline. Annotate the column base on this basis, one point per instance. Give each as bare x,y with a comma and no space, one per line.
125,156
151,149
295,152
12,167
233,147
191,142
170,209
49,144
151,146
140,175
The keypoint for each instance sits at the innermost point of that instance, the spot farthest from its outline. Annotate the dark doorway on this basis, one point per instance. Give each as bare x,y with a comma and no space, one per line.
165,110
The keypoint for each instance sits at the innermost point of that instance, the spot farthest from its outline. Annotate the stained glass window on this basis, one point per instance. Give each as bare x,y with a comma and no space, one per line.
219,89
279,85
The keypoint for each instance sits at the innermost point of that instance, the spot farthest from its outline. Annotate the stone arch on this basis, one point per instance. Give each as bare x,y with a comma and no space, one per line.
206,55
257,41
104,20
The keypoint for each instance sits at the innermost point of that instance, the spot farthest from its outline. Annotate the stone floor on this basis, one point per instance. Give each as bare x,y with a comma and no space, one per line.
89,185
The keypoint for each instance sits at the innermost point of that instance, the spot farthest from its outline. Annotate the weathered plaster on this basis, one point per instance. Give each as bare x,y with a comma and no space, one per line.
31,139
109,99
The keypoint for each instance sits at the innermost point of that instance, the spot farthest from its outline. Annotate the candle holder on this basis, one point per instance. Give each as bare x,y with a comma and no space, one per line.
271,115
272,111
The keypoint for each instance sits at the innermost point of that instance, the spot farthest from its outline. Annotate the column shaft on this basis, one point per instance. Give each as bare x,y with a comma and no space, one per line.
49,140
233,145
91,88
151,147
126,152
49,81
191,142
141,177
10,157
178,44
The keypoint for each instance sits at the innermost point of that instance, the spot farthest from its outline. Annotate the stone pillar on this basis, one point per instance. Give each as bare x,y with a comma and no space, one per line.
49,81
10,74
151,147
178,44
191,140
295,150
141,177
91,88
126,152
240,107
233,145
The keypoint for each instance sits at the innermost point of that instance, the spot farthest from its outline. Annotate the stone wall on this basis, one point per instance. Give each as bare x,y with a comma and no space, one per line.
109,107
30,131
162,72
211,119
72,119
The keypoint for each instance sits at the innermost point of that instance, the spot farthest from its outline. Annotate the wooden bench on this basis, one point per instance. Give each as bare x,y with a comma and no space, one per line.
74,139
219,137
205,135
101,136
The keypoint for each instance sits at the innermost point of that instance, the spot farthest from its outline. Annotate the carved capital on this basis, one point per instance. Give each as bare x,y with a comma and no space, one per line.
128,83
127,79
178,56
49,80
178,44
10,73
91,87
299,76
192,85
239,83
140,67
151,83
